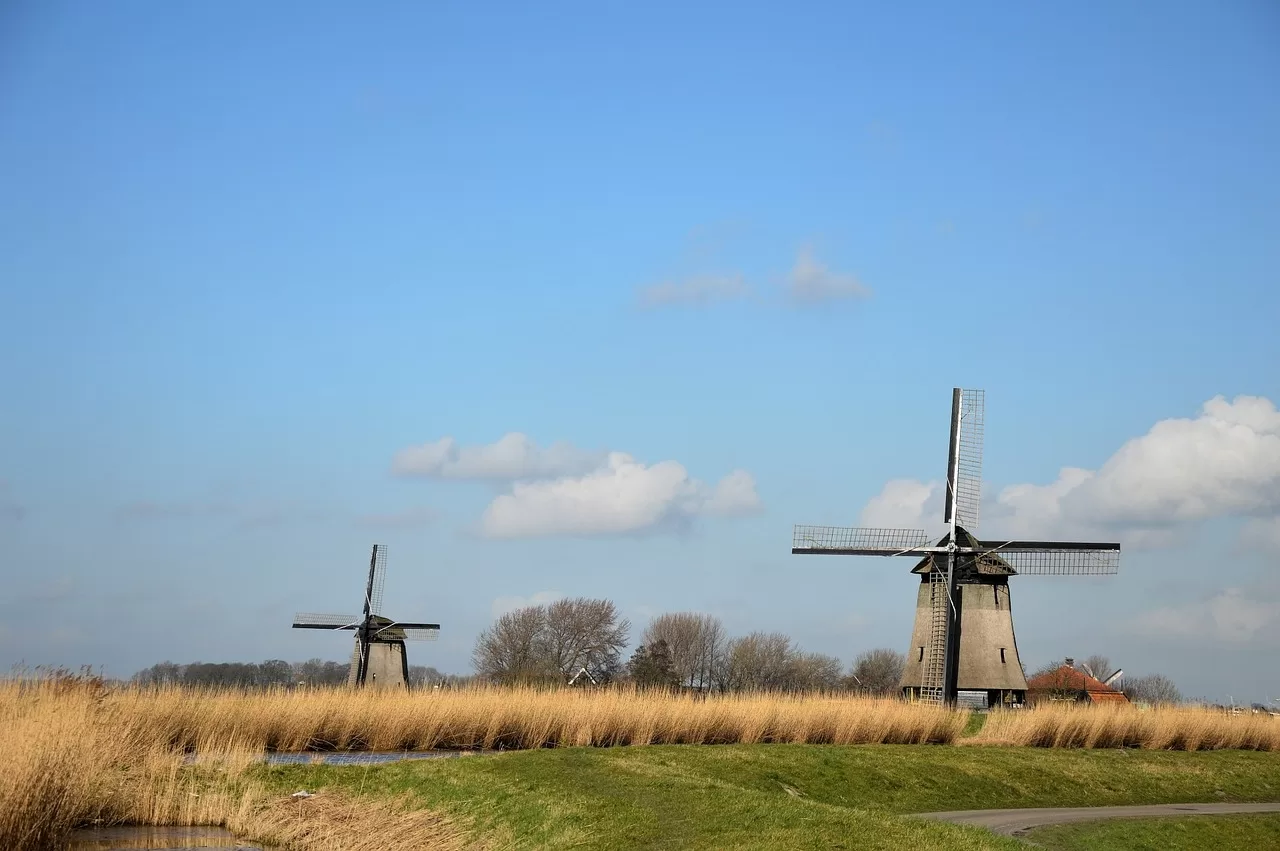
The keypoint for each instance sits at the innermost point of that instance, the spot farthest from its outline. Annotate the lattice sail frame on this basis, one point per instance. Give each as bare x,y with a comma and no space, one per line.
840,538
1062,561
969,458
327,621
1027,558
379,578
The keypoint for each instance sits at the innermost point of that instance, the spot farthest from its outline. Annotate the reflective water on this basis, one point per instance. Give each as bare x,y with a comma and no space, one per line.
360,757
112,838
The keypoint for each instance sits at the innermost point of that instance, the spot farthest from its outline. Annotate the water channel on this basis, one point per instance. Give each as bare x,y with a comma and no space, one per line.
120,838
220,839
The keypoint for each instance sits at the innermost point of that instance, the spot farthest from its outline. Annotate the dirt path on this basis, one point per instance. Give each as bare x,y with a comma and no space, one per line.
1018,821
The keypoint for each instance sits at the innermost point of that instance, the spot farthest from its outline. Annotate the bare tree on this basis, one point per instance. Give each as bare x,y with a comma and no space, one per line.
758,662
511,650
1098,666
584,633
1153,688
814,672
695,641
161,673
551,643
878,671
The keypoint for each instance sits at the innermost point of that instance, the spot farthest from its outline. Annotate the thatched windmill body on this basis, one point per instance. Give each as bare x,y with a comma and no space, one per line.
379,658
963,645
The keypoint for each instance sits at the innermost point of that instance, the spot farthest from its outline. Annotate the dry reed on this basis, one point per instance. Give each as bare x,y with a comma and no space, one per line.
1070,725
493,718
77,757
81,753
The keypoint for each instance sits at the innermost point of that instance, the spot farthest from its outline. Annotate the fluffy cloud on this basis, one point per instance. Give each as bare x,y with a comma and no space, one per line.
905,504
513,456
622,496
1223,463
1234,615
699,290
811,282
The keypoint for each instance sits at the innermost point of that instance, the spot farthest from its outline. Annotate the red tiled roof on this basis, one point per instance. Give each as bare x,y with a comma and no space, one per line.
1070,679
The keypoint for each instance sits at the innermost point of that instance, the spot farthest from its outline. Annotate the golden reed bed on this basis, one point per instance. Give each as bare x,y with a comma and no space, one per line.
520,718
79,753
80,756
1071,725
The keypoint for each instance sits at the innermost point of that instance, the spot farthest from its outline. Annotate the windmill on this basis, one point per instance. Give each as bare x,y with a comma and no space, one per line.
379,657
963,646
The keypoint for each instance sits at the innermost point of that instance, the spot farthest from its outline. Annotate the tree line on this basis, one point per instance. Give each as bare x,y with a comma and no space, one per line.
556,642
584,640
274,673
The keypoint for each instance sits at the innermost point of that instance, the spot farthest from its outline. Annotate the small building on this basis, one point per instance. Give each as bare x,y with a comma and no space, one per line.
1065,683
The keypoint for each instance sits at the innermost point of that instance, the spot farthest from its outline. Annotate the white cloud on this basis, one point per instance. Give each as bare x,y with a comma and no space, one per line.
622,496
734,494
502,605
811,282
1234,615
905,504
699,290
513,456
1224,463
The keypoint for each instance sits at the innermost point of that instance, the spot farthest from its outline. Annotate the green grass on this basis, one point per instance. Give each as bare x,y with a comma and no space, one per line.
784,796
1161,834
974,725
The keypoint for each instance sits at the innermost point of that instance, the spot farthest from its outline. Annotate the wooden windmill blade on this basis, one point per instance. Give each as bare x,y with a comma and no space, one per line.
964,458
1057,558
310,620
419,631
858,541
377,580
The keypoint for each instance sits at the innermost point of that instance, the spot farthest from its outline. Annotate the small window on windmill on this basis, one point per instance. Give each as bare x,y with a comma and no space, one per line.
995,592
922,653
1001,655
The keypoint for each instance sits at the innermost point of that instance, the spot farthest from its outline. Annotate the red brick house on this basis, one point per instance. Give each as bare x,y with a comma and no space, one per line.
1065,683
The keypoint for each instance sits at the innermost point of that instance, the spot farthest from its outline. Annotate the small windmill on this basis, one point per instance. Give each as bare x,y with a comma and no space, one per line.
379,657
963,643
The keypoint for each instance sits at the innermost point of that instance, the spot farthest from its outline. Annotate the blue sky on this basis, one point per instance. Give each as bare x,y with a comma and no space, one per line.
248,254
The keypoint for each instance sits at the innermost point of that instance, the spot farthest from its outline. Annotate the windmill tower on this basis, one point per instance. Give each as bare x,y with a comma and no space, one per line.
379,657
962,644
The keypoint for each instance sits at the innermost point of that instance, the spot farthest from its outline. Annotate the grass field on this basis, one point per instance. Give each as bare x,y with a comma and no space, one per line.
773,771
1191,833
780,796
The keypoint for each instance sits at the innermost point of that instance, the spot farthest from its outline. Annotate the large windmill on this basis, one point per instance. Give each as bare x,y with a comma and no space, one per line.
379,657
962,646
